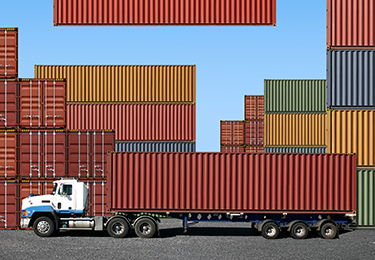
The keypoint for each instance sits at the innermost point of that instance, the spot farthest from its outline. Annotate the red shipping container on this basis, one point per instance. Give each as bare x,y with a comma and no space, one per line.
232,133
254,133
42,153
8,154
350,24
36,187
136,122
87,152
254,107
164,12
9,216
232,149
8,52
97,197
8,103
254,149
42,103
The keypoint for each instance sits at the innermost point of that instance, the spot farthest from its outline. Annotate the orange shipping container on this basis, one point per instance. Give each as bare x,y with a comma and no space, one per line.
352,131
124,83
295,129
232,132
254,149
8,52
8,154
254,107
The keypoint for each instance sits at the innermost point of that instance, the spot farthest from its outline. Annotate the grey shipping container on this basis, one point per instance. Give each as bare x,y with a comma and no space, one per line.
155,146
350,78
294,95
295,149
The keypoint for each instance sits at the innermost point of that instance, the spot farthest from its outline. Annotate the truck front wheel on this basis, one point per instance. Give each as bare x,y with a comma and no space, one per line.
44,227
118,228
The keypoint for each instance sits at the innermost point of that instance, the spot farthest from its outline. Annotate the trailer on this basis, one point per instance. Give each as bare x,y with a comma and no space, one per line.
272,192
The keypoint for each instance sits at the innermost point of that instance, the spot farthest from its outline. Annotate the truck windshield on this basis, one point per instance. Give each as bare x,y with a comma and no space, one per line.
54,189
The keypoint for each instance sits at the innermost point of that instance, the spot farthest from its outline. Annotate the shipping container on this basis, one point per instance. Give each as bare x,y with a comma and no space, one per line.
295,95
366,198
8,154
295,129
155,146
232,132
42,153
254,149
124,83
164,12
8,52
136,122
352,131
87,152
350,79
350,24
232,149
8,103
254,133
42,103
9,209
36,187
254,107
224,182
295,149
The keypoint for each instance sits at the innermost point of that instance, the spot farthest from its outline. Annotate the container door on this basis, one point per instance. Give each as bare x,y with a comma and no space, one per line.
97,198
8,205
79,154
8,103
54,152
8,52
54,104
31,103
102,143
8,154
30,154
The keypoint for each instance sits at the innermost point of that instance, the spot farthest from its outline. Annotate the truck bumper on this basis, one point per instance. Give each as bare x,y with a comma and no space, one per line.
25,222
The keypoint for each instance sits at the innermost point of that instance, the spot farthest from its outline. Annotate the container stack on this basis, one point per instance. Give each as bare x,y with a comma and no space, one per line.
351,94
295,116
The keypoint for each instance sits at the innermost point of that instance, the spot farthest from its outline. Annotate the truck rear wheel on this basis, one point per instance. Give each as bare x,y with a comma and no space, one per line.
270,230
299,231
118,228
44,227
328,231
145,228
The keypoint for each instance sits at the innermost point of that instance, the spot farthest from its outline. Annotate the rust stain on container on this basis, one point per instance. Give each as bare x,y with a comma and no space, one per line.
254,107
352,131
295,129
8,103
8,154
136,122
164,12
9,212
217,182
8,52
232,132
124,83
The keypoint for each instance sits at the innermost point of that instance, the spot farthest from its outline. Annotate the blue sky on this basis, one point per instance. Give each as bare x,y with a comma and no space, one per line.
231,61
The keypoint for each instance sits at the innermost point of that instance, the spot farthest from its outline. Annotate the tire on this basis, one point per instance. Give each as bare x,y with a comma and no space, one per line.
270,230
44,227
299,231
118,228
328,231
145,228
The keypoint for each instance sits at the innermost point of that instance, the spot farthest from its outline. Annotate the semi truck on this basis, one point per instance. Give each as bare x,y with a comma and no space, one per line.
272,192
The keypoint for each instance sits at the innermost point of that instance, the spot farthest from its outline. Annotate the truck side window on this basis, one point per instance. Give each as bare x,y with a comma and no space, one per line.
67,190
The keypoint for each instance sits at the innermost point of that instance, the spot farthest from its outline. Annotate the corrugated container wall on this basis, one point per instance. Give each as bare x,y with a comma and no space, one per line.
254,107
366,197
232,132
295,130
136,122
164,12
350,78
8,154
9,216
295,149
352,131
155,146
217,182
8,103
254,132
295,96
8,52
350,24
124,83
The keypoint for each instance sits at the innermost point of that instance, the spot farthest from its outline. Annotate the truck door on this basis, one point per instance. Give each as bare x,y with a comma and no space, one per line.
65,199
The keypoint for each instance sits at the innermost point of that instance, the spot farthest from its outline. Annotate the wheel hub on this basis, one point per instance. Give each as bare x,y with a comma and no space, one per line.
271,231
43,227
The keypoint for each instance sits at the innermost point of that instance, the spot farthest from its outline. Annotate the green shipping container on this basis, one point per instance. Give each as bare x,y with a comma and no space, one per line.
294,95
365,198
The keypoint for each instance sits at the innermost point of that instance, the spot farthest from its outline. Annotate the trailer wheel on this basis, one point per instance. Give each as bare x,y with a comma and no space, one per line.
270,230
299,231
328,231
145,228
44,227
118,228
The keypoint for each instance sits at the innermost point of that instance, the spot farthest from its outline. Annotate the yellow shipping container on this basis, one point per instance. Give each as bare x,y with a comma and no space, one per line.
124,83
294,129
352,131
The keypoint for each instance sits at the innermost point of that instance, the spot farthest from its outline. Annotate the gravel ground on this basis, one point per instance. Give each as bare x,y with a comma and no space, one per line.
202,241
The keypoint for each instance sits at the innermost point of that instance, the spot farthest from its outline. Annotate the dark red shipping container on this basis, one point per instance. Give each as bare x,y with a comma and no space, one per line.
136,122
8,103
254,107
42,103
8,154
164,12
36,187
232,133
222,182
9,210
254,149
232,149
8,52
42,153
254,133
87,152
